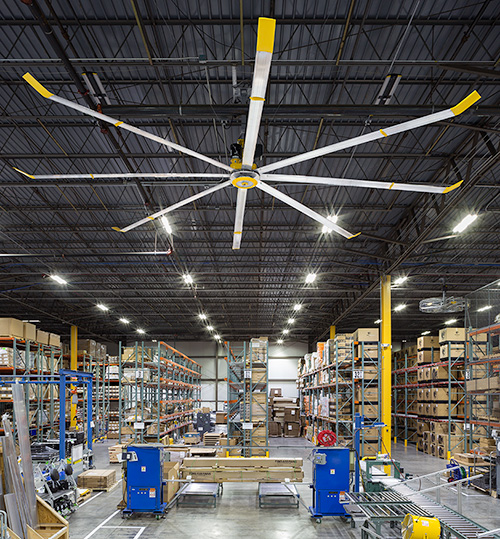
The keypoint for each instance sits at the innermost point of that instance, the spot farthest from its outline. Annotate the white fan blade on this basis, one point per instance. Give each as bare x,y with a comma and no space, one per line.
367,184
238,221
375,135
117,123
125,175
263,56
304,209
174,206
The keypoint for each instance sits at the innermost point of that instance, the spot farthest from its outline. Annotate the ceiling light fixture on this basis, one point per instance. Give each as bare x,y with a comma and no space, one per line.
166,224
379,321
297,307
400,307
202,316
465,222
279,341
187,278
333,219
102,307
217,337
425,333
124,321
400,280
141,331
311,277
291,320
286,331
485,308
210,328
450,321
58,279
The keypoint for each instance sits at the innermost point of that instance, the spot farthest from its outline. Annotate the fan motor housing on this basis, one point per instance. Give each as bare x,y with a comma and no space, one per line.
244,179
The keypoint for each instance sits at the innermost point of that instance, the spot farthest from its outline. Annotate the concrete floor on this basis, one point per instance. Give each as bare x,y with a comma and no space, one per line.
237,514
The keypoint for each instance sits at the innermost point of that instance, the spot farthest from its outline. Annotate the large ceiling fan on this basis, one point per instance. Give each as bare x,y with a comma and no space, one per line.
243,173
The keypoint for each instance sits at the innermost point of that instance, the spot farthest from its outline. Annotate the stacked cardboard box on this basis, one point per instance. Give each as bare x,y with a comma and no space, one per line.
263,470
97,479
286,412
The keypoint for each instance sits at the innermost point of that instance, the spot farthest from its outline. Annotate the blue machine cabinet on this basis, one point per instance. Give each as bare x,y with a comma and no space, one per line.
144,475
330,481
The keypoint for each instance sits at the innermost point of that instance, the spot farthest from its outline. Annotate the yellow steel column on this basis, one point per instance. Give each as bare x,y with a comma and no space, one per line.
332,332
386,370
73,366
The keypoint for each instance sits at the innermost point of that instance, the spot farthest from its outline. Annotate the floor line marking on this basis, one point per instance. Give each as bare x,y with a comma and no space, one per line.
122,527
93,498
101,525
139,533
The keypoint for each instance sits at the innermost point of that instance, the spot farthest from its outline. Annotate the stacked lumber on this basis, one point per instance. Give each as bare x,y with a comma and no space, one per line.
255,469
97,479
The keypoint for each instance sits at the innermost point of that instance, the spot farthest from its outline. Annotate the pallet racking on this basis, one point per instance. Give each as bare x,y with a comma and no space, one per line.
340,384
158,391
445,406
247,397
30,361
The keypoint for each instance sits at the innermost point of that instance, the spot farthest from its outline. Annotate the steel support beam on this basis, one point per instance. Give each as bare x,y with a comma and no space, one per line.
386,367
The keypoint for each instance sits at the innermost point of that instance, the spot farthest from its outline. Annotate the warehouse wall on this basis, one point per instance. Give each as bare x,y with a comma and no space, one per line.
282,368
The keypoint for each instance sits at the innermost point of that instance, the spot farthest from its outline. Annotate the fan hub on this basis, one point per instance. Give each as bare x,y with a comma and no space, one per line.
245,179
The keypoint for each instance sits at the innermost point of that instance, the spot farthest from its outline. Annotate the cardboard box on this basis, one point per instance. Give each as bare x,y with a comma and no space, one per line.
246,462
427,374
452,350
42,337
366,334
275,392
274,429
292,414
259,376
421,374
367,394
292,429
451,334
97,479
262,475
427,342
170,472
441,427
368,410
443,410
220,418
29,332
427,356
455,440
11,327
55,340
442,394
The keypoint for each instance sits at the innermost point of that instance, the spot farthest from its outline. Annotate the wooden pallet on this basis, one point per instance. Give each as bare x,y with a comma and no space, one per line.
84,497
105,489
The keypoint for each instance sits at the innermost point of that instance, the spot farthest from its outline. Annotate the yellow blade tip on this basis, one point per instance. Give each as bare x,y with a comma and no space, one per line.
24,173
30,79
117,229
465,103
452,187
354,236
265,34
